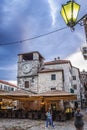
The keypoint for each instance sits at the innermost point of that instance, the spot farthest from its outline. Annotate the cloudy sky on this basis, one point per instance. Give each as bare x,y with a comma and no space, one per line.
25,19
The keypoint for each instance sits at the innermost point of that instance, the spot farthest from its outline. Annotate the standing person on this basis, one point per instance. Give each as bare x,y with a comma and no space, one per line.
78,120
76,105
49,120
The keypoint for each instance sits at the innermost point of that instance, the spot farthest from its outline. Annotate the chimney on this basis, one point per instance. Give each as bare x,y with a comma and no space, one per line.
58,58
55,59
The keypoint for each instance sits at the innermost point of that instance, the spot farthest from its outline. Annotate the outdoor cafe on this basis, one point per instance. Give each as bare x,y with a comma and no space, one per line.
25,104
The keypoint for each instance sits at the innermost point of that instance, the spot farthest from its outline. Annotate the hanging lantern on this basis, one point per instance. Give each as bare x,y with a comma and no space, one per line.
70,12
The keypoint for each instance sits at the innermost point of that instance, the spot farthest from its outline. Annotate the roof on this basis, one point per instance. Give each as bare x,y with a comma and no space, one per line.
20,92
45,70
7,83
57,62
17,95
75,68
58,95
83,73
50,95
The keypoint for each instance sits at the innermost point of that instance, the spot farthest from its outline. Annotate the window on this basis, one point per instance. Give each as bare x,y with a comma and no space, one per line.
70,70
53,77
5,87
71,90
26,84
1,86
83,77
9,89
75,86
12,89
74,77
53,88
32,79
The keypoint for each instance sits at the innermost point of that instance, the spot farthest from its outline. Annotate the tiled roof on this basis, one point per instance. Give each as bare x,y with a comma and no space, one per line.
20,92
7,83
49,70
57,62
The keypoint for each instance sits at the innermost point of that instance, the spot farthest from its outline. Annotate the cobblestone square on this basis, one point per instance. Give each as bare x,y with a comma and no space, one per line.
26,124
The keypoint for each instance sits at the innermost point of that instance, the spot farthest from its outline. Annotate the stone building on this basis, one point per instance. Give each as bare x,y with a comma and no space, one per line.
34,74
84,48
6,86
83,77
76,83
29,65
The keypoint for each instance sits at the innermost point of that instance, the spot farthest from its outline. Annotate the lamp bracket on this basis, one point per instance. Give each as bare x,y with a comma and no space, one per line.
72,29
80,20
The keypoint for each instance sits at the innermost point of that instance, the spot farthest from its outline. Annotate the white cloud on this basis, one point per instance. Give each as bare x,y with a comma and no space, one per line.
54,10
78,61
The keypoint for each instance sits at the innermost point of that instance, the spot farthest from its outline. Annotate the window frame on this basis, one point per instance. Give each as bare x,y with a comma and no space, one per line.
53,77
74,77
26,84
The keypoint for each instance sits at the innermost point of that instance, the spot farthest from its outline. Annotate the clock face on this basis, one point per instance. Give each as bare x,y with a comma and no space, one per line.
26,68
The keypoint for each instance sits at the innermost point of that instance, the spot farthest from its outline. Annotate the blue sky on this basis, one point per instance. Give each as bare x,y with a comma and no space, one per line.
23,19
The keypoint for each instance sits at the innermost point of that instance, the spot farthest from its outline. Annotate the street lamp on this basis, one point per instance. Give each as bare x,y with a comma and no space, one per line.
70,12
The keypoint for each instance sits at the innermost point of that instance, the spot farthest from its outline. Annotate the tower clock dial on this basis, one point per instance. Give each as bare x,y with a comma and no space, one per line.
26,68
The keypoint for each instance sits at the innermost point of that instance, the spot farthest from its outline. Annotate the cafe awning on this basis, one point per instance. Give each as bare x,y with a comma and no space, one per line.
58,95
26,95
17,95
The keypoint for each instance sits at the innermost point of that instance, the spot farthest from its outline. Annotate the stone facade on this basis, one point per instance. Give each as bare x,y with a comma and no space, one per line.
45,82
76,81
28,66
66,67
83,77
40,76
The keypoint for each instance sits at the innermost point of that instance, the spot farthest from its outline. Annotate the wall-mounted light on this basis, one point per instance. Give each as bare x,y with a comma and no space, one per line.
69,12
42,102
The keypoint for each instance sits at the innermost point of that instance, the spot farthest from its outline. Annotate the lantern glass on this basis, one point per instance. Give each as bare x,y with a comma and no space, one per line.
69,12
76,9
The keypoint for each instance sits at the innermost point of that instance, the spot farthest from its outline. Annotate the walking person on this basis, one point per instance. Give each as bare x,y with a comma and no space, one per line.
49,120
78,120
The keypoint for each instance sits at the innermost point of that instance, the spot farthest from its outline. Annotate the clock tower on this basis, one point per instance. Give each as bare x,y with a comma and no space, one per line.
28,66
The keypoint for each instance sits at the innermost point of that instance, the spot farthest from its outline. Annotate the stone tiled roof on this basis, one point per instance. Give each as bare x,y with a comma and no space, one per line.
57,62
49,70
20,92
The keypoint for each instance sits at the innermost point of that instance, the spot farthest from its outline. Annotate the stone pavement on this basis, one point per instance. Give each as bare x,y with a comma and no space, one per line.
26,124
